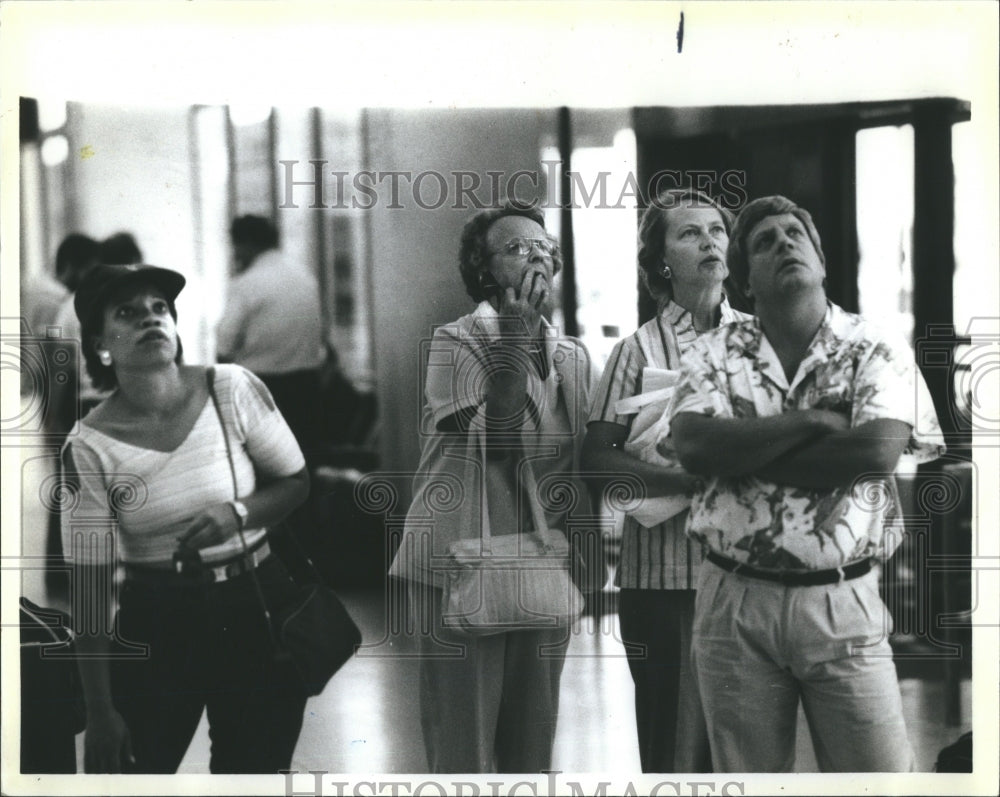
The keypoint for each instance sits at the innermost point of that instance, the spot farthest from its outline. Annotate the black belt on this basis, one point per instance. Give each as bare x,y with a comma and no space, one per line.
810,578
201,572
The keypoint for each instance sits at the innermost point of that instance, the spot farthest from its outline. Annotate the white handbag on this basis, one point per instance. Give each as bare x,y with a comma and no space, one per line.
513,582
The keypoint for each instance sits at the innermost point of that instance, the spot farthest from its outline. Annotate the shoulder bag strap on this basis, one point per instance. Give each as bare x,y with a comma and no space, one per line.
232,470
530,484
210,376
534,499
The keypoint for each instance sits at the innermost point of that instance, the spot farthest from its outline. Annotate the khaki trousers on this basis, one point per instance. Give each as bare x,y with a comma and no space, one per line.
487,704
760,647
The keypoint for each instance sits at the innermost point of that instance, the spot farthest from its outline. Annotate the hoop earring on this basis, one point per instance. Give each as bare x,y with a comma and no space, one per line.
666,273
105,357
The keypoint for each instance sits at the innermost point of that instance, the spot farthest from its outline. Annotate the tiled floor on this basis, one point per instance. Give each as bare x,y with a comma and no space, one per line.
367,719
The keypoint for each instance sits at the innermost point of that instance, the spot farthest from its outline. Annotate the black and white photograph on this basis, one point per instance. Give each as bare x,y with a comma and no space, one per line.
489,398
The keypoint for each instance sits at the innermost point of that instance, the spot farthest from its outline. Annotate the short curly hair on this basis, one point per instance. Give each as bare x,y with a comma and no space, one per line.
473,252
653,235
737,258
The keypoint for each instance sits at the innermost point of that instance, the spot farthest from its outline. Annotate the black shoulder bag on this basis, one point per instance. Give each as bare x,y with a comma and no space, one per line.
314,631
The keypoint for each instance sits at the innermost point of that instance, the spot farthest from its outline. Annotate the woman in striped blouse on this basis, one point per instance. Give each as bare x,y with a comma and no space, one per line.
683,237
163,479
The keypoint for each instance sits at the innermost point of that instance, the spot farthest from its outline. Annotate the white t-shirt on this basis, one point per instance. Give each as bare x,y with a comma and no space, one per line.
144,499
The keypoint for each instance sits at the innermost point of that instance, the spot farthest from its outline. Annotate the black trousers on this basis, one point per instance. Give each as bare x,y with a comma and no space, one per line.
656,629
49,716
208,649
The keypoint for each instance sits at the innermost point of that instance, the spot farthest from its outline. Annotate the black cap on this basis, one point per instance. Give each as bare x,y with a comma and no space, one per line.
101,281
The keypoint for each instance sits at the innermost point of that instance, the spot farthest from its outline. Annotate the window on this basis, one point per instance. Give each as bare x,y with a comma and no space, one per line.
885,225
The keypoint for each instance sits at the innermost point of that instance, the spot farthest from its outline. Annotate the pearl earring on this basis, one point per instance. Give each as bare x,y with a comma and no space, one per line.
667,273
104,356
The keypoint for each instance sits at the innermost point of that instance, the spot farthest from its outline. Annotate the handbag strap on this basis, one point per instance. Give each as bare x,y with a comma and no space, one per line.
534,499
317,578
210,375
530,491
479,351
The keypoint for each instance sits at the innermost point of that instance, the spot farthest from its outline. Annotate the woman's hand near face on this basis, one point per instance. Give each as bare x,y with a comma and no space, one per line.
521,309
214,525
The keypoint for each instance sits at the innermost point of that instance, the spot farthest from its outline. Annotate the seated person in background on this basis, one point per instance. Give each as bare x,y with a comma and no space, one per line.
272,325
796,419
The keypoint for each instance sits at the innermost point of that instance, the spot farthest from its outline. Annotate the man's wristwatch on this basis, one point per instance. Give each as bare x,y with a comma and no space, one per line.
240,510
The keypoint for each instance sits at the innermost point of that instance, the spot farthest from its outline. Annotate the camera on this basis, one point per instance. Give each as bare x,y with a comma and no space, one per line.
49,367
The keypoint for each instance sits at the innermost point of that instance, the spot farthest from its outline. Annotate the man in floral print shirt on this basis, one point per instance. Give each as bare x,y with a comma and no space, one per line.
796,421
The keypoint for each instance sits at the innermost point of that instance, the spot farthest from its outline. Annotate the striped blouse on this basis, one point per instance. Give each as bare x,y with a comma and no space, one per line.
144,499
661,557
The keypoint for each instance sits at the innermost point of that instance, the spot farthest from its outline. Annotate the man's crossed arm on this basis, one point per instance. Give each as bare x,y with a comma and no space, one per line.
801,448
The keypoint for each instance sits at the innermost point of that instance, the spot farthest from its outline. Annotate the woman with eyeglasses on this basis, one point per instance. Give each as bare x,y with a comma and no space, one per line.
172,482
683,238
504,394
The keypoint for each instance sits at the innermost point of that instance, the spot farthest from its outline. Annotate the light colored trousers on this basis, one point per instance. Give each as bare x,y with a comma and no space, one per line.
487,704
759,647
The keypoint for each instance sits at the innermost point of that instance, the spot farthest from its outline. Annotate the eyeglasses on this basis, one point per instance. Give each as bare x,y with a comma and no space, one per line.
520,247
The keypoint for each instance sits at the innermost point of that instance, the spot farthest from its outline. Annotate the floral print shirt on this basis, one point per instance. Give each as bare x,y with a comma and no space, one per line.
850,367
661,557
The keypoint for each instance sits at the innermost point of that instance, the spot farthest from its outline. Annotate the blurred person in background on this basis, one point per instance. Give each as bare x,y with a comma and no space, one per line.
118,249
45,302
42,296
683,237
272,325
76,256
50,717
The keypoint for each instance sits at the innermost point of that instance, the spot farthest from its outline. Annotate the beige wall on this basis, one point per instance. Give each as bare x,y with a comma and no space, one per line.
139,177
132,171
414,251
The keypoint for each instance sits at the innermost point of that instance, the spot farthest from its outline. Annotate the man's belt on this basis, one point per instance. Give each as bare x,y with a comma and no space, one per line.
809,578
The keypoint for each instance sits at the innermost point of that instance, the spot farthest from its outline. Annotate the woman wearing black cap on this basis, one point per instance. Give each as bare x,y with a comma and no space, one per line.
163,476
